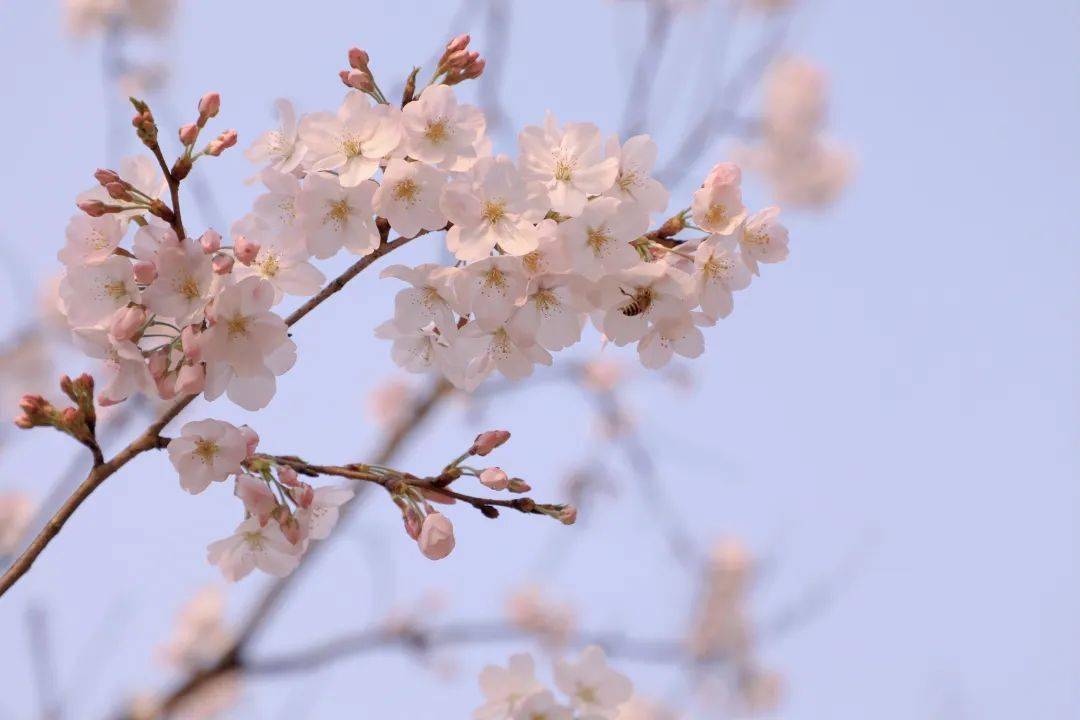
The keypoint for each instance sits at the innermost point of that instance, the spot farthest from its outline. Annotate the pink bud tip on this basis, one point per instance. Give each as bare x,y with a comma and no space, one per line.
223,264
436,536
568,515
191,380
126,322
457,44
246,250
209,104
251,438
189,134
210,241
487,441
358,59
287,476
145,271
495,478
93,208
106,176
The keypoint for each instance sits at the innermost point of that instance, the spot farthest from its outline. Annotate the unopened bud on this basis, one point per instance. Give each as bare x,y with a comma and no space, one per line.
567,515
487,441
223,141
517,485
93,208
494,478
358,59
458,44
189,133
303,494
287,476
210,241
161,210
251,438
117,191
223,264
126,322
358,79
474,69
246,250
145,271
209,105
106,176
489,511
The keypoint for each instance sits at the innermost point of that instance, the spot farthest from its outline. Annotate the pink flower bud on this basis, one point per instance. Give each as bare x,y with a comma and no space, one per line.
517,485
413,522
209,105
246,250
487,441
105,177
191,343
287,476
189,134
258,499
358,79
191,380
117,191
358,59
223,264
494,478
724,173
126,322
93,208
210,241
304,495
158,363
458,44
475,68
251,438
436,536
568,515
145,271
223,141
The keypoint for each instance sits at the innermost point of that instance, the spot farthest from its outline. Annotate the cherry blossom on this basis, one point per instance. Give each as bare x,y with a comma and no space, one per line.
633,183
504,348
184,276
123,361
598,240
281,260
719,270
440,132
427,301
436,539
281,147
669,336
90,240
206,451
568,161
505,688
253,546
352,141
322,514
143,174
333,217
16,512
493,206
632,299
490,289
591,685
553,311
409,197
764,239
92,293
718,206
541,706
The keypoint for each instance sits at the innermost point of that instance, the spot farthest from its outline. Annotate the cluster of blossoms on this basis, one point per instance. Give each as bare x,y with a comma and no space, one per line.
89,17
593,690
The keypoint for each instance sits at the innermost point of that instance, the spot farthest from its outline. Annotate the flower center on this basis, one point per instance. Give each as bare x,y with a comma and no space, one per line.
206,450
437,131
237,325
626,180
546,301
269,266
254,540
719,266
564,170
97,240
338,212
189,288
494,278
532,262
597,239
406,191
756,238
716,214
350,145
493,211
116,289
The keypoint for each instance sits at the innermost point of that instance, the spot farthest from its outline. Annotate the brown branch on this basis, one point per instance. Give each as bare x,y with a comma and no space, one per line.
150,438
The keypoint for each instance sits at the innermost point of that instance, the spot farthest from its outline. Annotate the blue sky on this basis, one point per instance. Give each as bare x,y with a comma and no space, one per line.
903,389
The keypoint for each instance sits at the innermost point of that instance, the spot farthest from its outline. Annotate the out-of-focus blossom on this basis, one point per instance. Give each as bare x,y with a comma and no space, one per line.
535,613
200,634
16,511
89,17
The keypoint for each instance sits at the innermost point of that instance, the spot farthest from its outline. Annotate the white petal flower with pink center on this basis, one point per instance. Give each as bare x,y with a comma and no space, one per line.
282,260
143,174
206,451
276,209
254,546
183,283
598,241
353,141
427,301
153,238
490,289
92,293
717,206
90,239
634,182
125,366
569,162
408,197
440,132
280,147
554,311
542,706
247,345
504,688
493,205
668,336
550,256
322,515
419,349
592,686
719,270
632,299
505,348
764,239
333,216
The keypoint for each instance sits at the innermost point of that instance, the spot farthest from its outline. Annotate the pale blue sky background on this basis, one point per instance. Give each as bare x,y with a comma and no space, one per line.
904,386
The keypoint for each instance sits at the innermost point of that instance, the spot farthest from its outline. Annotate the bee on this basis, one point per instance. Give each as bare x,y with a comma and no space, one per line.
639,302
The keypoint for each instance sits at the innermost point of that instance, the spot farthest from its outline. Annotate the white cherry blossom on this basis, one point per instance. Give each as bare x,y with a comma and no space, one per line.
254,546
598,241
182,286
764,239
632,299
143,174
276,210
426,302
553,312
504,688
282,260
505,348
90,240
717,206
206,451
592,686
408,197
542,706
569,162
719,270
322,515
490,206
353,141
92,293
440,132
634,182
333,217
125,366
490,289
667,336
281,147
